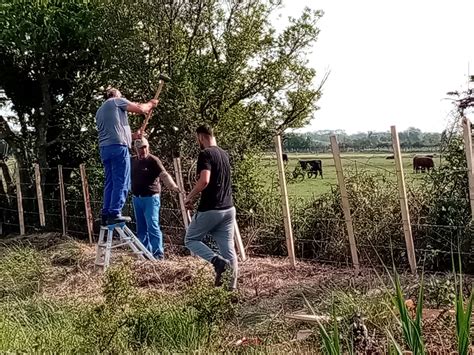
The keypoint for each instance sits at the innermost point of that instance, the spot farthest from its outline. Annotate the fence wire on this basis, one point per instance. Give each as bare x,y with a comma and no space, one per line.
320,237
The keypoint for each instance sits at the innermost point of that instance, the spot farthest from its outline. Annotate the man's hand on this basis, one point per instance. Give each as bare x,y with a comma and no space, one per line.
154,102
137,135
189,203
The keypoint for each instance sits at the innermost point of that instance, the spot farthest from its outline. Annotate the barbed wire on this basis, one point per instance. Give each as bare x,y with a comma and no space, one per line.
175,224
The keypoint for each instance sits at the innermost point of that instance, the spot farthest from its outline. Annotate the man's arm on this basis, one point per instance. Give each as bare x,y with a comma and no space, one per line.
169,182
142,108
201,184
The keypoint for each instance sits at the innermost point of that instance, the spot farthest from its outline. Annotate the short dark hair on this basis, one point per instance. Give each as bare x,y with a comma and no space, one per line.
205,129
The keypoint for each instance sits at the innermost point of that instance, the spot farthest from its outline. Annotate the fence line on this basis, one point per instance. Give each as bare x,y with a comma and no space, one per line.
59,202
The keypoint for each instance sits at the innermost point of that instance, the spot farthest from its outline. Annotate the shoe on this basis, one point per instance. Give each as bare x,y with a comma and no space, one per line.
220,266
103,220
117,219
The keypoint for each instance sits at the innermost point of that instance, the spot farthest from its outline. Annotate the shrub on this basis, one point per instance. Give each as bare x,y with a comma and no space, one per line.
22,272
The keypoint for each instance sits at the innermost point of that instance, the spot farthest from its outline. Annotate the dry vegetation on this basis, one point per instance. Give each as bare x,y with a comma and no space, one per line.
50,289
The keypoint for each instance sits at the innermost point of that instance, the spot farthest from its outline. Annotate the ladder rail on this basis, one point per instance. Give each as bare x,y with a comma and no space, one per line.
127,237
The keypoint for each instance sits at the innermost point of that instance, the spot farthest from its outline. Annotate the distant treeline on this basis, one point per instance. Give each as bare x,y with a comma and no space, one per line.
318,141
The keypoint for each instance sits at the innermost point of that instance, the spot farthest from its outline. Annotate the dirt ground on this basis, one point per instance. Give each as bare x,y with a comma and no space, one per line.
269,289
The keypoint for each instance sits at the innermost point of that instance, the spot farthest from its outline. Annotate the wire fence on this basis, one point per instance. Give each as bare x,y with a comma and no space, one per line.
318,223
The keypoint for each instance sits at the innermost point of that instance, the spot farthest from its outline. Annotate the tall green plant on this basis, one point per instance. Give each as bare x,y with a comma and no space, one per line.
411,328
463,314
331,340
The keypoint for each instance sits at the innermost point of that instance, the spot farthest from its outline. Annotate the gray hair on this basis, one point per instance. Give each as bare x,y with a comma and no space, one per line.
112,92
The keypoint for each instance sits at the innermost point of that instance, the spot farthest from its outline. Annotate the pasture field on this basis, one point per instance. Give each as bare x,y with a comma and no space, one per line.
376,162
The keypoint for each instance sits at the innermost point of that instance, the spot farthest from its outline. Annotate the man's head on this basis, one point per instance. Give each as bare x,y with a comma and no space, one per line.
142,148
112,93
205,136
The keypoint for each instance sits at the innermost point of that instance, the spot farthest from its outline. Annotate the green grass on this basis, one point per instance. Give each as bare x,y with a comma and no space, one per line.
350,161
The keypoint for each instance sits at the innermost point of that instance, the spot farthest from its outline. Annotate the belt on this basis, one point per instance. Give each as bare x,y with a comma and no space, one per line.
145,195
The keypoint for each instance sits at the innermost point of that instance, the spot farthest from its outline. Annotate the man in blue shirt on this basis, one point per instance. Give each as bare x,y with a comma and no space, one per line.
115,139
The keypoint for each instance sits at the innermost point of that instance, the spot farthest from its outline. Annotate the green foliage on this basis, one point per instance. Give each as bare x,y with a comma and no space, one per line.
118,285
440,292
228,68
40,326
331,340
463,313
412,138
212,304
127,320
411,328
22,272
160,324
447,204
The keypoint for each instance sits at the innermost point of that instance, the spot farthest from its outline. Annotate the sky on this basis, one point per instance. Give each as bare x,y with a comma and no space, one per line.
391,62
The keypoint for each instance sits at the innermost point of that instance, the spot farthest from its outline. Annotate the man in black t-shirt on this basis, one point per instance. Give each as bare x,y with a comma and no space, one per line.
216,212
147,171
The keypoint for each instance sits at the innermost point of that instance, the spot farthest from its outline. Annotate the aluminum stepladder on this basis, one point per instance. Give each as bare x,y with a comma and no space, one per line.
105,245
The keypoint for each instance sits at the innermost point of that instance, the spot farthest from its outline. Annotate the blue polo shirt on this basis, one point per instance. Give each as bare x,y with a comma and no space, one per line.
112,123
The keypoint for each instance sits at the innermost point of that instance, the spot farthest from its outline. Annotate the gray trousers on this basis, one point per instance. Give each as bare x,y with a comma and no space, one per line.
220,225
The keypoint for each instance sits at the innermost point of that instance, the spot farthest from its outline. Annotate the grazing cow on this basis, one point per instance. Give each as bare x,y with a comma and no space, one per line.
422,163
391,157
313,167
285,158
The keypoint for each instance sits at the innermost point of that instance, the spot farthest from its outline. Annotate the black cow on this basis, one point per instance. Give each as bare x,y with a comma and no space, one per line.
422,163
313,167
285,158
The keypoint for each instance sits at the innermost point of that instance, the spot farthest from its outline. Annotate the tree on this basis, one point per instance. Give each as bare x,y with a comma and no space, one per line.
49,57
228,68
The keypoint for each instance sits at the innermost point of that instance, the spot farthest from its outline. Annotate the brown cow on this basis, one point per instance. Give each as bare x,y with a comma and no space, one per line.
422,163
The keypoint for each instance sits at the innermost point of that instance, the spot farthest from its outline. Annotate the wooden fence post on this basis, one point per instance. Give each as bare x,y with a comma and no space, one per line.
62,195
402,194
39,195
284,201
87,203
19,199
239,242
468,149
345,201
179,181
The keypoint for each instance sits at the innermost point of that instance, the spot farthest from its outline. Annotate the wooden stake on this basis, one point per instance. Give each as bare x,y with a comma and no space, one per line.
345,201
284,202
62,199
19,199
87,203
402,193
238,242
468,149
179,181
39,195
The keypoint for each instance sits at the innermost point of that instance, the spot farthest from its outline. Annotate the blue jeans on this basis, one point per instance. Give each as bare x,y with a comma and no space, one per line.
220,224
116,160
147,216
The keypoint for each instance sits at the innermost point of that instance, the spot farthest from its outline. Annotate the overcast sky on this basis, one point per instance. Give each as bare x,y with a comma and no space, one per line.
391,62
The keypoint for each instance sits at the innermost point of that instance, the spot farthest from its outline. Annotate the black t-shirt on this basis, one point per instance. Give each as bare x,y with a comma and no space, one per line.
218,193
146,175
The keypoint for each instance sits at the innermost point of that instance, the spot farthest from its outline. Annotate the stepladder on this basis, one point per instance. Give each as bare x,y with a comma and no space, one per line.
126,238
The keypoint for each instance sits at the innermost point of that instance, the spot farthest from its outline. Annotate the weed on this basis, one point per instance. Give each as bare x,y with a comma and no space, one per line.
22,272
411,328
441,292
463,314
